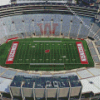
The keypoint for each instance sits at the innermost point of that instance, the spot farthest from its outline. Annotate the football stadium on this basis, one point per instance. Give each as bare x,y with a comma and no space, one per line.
50,50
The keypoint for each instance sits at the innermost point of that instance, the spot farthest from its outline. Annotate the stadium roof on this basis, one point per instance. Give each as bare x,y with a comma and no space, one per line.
4,85
91,85
41,82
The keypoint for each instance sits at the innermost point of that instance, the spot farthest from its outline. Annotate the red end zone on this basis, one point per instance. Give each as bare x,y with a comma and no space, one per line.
82,54
12,53
11,39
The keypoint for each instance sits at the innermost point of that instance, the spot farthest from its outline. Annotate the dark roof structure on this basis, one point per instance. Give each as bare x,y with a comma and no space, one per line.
45,87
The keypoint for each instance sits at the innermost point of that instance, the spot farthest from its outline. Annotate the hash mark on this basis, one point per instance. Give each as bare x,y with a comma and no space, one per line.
67,59
60,59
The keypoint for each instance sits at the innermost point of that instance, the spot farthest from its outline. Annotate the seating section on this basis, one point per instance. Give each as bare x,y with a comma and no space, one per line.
96,37
96,59
83,32
90,44
66,24
2,70
9,74
25,25
93,52
98,49
85,27
22,73
74,27
94,30
97,43
88,21
95,27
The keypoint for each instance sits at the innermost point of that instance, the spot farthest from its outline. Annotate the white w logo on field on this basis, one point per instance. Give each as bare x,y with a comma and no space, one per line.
43,28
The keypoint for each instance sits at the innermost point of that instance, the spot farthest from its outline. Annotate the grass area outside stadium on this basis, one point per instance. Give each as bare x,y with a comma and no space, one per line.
62,55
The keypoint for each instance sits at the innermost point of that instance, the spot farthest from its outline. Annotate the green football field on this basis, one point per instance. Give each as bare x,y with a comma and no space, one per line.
45,54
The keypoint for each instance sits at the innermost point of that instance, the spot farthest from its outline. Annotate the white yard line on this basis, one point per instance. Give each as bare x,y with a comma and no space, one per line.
47,41
72,63
21,63
46,63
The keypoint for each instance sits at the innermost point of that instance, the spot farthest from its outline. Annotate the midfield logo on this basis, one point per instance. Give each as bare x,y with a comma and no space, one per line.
51,28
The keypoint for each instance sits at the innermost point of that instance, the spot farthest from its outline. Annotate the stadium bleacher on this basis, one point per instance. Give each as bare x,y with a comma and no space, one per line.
66,24
84,74
2,70
93,52
94,71
83,32
95,27
9,74
98,49
11,26
96,37
96,59
88,21
74,27
90,44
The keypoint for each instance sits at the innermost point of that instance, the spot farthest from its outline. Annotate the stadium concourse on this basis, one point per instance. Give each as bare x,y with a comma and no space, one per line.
56,19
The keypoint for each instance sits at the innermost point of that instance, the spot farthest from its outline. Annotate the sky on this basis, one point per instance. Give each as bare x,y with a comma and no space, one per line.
4,2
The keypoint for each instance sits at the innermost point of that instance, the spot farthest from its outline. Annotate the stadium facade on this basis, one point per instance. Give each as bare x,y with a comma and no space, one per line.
46,87
51,19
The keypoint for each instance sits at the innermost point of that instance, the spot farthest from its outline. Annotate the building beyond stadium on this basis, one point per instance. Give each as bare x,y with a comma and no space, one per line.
63,19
